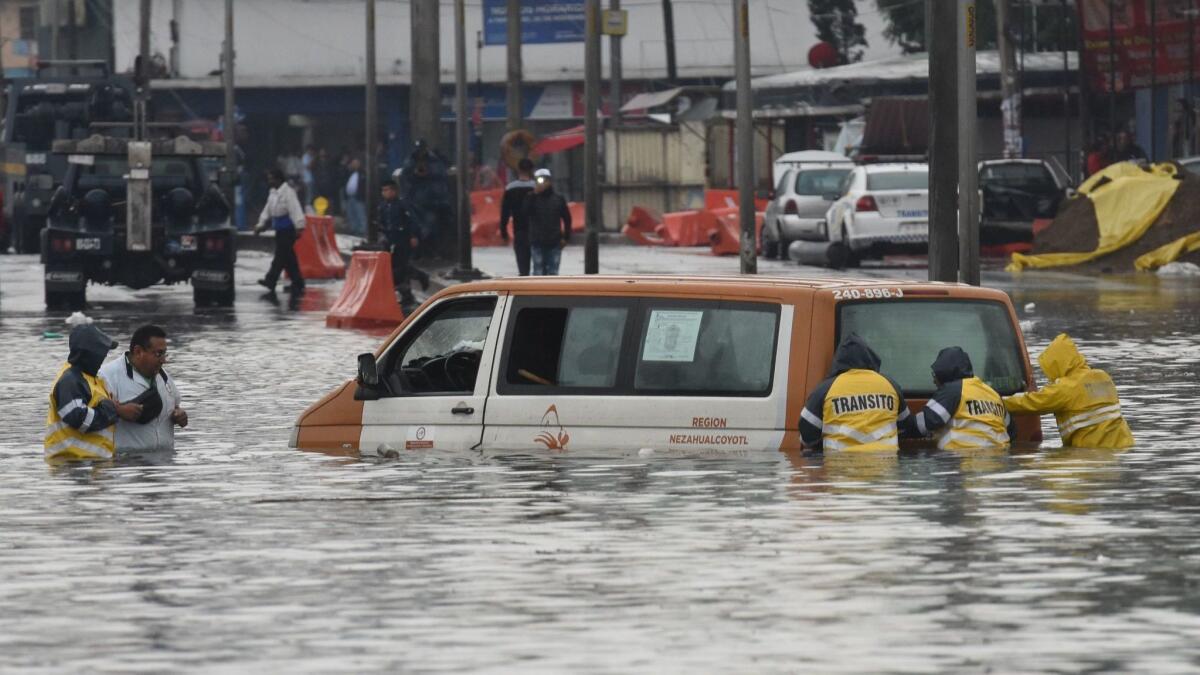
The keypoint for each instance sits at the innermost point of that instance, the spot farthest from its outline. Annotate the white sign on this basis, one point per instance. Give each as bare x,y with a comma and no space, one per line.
35,158
672,335
83,160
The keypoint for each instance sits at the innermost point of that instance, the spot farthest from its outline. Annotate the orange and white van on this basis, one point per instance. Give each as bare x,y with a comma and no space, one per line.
716,365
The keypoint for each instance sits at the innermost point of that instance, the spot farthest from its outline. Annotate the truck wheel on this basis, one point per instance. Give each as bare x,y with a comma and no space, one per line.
66,300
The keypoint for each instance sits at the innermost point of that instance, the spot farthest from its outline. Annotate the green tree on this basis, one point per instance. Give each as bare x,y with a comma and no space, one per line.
905,23
837,23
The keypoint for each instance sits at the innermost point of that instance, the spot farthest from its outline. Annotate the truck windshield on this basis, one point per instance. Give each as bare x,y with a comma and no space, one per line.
908,336
898,180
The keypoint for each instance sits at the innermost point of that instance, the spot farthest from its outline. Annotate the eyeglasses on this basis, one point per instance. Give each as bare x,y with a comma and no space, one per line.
158,353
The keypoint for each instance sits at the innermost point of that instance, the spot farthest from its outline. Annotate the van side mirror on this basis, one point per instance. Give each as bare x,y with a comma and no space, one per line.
368,370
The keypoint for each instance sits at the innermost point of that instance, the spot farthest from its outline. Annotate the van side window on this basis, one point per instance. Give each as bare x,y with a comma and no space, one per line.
706,349
442,354
565,347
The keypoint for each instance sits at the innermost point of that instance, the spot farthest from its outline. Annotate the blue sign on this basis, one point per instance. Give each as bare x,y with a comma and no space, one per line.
542,21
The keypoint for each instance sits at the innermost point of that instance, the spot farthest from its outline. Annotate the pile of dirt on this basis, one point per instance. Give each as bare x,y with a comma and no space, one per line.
1075,230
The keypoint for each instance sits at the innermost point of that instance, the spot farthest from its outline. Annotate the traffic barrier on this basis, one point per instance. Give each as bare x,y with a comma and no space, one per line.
485,217
644,226
715,200
578,216
687,228
368,297
317,251
725,236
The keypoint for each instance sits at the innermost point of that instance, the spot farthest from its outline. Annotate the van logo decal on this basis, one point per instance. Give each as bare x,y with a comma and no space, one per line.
553,440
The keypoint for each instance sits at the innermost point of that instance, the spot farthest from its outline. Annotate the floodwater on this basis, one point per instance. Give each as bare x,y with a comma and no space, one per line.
238,554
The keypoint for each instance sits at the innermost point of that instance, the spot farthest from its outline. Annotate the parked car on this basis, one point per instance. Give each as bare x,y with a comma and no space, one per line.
1014,193
629,364
879,208
797,209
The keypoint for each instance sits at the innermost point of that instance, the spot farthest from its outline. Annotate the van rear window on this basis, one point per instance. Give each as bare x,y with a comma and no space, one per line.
908,335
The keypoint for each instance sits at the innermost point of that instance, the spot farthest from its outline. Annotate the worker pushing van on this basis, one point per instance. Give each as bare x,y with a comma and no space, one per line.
856,408
965,413
1083,399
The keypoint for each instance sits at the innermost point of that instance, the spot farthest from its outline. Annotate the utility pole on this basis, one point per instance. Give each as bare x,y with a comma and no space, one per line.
72,33
614,66
1010,92
1153,81
230,129
968,168
591,149
513,98
1112,67
462,211
54,29
943,139
371,173
425,97
745,137
143,33
669,36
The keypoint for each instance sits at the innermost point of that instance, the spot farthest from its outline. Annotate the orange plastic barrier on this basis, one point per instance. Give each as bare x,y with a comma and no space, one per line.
725,238
578,216
368,298
715,200
686,228
317,250
485,217
644,226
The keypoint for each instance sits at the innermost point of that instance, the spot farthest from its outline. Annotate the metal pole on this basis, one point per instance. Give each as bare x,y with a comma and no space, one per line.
143,33
1191,89
424,95
1010,101
514,65
1063,34
943,140
371,170
54,28
72,34
745,137
230,128
1112,68
591,149
614,66
669,38
463,208
968,169
1153,81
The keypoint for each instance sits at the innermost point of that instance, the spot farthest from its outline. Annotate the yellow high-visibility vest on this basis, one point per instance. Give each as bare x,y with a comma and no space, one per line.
64,442
980,421
860,413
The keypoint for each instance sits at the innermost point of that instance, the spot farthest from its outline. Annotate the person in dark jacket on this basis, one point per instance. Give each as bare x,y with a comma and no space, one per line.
511,208
403,238
544,211
79,424
856,408
965,413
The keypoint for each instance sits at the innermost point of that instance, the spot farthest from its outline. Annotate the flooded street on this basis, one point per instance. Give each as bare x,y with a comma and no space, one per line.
238,554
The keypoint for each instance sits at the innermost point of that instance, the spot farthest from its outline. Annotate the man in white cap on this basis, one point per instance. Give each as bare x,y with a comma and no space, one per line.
549,222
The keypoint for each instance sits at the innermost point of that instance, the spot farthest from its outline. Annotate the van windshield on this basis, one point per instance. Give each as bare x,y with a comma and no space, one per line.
908,335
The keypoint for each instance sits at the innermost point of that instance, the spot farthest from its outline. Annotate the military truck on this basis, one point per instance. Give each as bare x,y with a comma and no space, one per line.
138,213
62,101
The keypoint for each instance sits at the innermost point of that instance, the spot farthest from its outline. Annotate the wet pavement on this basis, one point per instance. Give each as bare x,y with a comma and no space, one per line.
237,554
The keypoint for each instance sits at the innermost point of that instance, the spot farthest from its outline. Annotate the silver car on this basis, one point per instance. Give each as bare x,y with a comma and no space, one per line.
797,211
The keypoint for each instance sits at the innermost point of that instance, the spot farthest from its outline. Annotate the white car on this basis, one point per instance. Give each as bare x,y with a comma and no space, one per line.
880,208
799,202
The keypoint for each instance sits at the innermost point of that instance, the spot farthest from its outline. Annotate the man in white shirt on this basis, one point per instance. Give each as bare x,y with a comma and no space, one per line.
138,377
284,214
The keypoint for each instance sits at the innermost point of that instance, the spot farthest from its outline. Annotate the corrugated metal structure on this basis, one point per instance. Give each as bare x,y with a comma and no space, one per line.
658,167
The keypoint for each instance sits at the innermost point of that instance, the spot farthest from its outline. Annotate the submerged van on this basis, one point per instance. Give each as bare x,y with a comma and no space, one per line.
718,365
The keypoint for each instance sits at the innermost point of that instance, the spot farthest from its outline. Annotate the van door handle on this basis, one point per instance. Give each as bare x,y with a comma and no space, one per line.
462,410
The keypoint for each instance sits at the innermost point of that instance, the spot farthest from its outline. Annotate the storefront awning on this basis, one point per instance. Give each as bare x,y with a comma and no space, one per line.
651,99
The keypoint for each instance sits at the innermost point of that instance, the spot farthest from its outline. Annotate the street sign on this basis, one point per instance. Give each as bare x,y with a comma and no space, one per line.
616,22
542,21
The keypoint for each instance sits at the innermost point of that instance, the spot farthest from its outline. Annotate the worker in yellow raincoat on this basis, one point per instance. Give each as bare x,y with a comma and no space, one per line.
1083,399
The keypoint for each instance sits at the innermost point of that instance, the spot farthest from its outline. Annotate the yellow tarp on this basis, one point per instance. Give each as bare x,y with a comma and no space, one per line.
1169,253
1127,204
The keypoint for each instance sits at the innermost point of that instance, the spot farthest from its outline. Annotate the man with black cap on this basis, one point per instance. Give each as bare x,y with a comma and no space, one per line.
138,377
79,425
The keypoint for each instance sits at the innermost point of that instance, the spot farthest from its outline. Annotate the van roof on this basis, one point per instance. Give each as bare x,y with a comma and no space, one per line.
707,285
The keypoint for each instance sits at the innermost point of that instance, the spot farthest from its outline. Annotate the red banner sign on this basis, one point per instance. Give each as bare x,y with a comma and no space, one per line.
1135,45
